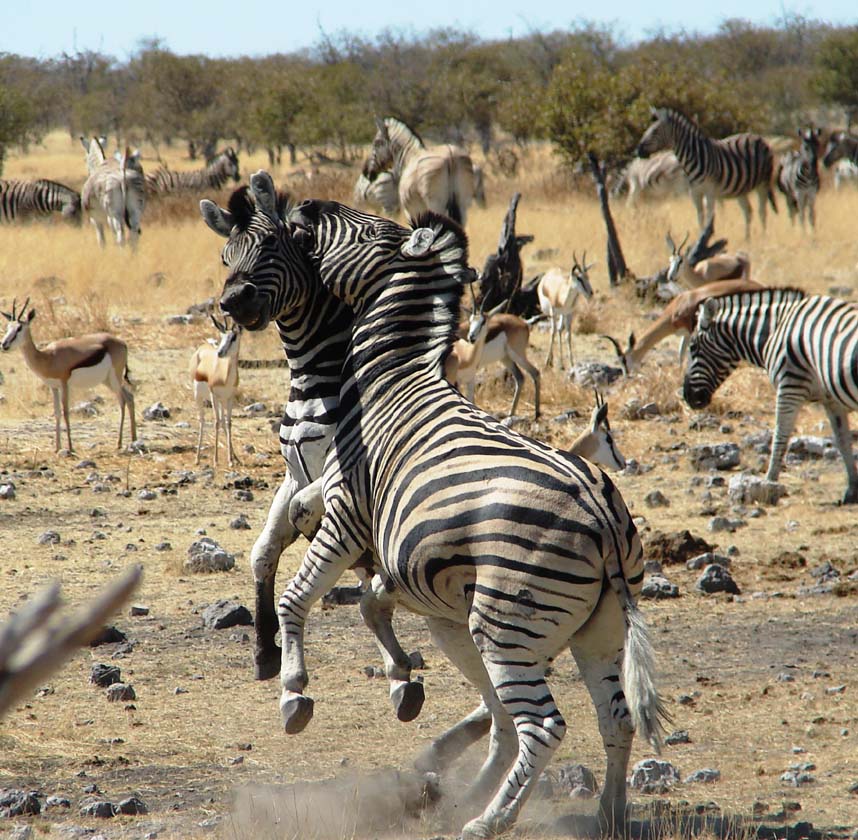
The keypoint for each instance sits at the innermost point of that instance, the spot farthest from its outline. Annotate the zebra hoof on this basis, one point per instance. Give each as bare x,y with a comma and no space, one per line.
407,699
296,711
266,664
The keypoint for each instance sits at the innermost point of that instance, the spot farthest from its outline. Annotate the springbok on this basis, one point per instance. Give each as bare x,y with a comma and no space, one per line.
596,443
493,337
84,362
677,319
558,293
717,267
115,191
214,372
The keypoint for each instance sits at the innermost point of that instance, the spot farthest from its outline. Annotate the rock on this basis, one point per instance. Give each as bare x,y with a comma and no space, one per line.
716,578
179,320
156,411
576,781
675,547
18,803
418,663
49,538
87,408
706,775
342,596
240,523
658,587
104,675
797,778
138,610
132,805
256,408
760,442
205,555
7,491
137,447
749,489
147,495
20,832
679,736
719,524
163,546
811,447
701,561
714,456
655,498
98,808
243,495
652,775
223,614
121,692
825,572
593,374
635,409
57,802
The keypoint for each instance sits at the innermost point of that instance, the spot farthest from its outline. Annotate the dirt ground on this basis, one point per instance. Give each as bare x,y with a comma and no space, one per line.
761,681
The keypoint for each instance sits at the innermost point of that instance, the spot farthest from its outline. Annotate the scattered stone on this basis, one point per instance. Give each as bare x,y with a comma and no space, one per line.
577,781
223,614
240,523
98,808
49,538
132,805
594,374
706,775
147,495
675,547
341,596
719,524
716,578
751,489
835,689
658,587
18,803
236,759
104,675
20,832
797,778
179,320
87,408
653,775
205,555
243,495
825,572
701,561
714,456
256,408
85,464
679,736
760,442
163,546
655,498
137,447
156,411
57,802
138,610
121,692
7,491
811,447
784,676
418,663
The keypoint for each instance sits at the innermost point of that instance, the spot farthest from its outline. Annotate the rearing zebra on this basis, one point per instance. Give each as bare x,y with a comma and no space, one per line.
439,178
728,168
212,177
444,495
28,199
798,177
808,346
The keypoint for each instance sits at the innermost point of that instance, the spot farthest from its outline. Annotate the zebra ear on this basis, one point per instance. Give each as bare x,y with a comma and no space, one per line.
419,243
262,187
707,313
218,219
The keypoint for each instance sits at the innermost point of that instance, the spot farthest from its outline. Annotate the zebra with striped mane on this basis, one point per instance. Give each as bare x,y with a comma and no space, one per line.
438,178
728,168
798,177
444,495
808,345
841,146
20,200
223,168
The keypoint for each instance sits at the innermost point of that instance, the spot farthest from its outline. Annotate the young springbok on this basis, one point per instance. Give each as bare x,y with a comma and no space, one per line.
214,372
596,444
84,362
558,293
677,319
717,267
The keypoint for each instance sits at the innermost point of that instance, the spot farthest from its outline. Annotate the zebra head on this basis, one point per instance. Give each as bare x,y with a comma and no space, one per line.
269,273
837,148
19,323
810,143
381,153
659,135
231,167
712,357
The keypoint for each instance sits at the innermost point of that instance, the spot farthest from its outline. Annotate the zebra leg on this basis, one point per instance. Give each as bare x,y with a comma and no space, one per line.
376,608
839,420
762,199
598,651
331,552
745,205
787,405
450,745
518,376
99,232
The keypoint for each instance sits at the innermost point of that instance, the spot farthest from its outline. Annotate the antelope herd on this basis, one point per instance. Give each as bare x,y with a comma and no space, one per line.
330,277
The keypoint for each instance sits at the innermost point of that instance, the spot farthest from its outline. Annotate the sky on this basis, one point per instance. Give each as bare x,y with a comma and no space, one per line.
48,28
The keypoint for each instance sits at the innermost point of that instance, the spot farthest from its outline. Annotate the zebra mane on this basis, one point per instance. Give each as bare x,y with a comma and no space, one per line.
402,127
242,206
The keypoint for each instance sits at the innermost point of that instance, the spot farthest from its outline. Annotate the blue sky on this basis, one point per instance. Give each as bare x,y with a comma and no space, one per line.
51,27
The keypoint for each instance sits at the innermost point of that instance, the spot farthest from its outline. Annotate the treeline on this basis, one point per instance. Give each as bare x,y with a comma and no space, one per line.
581,89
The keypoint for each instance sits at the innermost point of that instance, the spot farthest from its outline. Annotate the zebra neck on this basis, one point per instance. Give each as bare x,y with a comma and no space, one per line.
404,147
690,145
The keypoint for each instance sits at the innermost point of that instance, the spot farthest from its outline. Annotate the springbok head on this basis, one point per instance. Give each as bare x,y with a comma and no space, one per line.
677,255
479,318
381,152
602,447
624,356
580,276
19,322
230,336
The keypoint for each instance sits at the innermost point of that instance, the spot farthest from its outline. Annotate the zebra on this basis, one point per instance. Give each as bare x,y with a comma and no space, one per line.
841,146
657,176
114,192
798,177
439,178
808,346
444,495
214,176
29,199
845,172
728,168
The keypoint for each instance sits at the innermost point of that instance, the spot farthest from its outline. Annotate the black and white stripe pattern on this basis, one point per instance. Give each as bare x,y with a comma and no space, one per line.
728,168
807,345
798,177
444,495
20,200
212,177
841,146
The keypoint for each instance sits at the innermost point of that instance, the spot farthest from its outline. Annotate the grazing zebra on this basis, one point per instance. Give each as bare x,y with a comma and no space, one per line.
446,497
808,346
28,199
114,192
440,178
798,177
658,176
212,177
728,168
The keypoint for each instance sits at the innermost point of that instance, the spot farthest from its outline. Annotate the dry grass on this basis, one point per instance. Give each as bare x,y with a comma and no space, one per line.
176,750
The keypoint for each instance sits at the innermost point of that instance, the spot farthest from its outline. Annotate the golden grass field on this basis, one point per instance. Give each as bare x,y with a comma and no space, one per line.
186,754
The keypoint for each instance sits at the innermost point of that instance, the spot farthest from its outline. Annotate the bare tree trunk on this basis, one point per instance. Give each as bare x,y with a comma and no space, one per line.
617,269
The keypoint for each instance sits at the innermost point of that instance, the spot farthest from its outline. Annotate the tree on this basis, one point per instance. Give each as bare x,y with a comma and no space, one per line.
16,121
836,79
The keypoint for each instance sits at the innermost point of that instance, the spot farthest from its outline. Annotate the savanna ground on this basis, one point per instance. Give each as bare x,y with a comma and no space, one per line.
214,759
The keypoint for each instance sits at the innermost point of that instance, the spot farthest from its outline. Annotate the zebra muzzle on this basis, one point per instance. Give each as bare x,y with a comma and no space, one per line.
247,307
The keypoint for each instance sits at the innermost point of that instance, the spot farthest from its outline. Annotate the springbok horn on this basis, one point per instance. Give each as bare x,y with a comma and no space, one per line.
670,243
13,308
615,343
496,309
24,308
684,241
